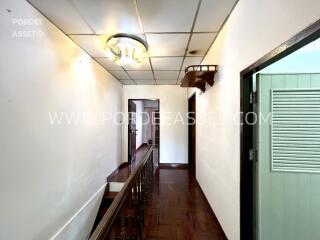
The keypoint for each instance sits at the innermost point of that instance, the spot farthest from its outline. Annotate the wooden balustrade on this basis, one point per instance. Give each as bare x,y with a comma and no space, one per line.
125,217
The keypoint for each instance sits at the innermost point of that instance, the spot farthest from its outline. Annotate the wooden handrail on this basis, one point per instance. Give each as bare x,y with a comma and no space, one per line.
135,179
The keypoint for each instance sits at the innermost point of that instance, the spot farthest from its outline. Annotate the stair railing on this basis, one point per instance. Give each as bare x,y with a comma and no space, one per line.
125,217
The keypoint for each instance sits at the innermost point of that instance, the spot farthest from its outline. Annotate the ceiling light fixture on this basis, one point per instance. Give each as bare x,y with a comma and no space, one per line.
126,49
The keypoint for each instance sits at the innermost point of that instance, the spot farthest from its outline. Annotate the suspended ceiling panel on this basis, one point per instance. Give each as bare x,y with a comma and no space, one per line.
188,61
141,75
200,43
143,67
167,44
179,32
64,15
92,44
181,75
166,75
212,14
109,16
108,64
167,63
128,82
167,15
146,82
122,75
166,82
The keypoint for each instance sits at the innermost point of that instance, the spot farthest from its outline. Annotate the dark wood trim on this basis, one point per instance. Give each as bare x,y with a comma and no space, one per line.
142,99
211,211
122,165
306,36
192,134
246,166
139,179
173,165
142,146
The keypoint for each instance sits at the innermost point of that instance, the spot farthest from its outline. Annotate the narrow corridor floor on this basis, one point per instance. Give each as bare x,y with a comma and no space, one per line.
177,210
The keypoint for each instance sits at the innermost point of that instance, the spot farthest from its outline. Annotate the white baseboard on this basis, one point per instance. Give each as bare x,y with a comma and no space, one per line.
78,227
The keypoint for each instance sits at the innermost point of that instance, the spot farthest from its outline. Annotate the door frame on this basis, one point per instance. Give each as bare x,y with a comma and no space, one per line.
301,39
192,141
142,99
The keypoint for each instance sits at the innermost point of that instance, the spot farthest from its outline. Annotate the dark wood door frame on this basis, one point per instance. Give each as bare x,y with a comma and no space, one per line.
143,99
132,131
192,134
306,36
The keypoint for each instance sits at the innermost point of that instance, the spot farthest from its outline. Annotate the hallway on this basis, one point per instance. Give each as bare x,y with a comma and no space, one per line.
177,209
160,119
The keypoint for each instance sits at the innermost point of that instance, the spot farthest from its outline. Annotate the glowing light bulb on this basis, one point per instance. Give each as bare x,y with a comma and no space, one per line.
126,50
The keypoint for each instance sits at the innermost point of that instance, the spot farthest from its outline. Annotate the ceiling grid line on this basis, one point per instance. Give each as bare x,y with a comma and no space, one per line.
83,19
176,41
139,17
63,32
100,34
129,75
191,33
221,27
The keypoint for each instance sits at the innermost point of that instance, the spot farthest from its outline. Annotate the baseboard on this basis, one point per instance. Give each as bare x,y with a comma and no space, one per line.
68,229
211,211
173,165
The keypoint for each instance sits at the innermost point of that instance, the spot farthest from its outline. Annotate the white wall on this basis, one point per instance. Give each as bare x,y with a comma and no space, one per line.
254,28
173,130
51,176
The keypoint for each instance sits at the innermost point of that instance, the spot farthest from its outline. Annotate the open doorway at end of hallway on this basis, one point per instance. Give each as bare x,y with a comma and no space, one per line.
192,134
280,141
143,126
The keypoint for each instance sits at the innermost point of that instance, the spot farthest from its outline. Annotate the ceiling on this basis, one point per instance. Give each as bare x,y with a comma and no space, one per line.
178,32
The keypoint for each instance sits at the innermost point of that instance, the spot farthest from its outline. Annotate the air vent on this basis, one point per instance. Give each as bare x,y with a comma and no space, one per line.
295,130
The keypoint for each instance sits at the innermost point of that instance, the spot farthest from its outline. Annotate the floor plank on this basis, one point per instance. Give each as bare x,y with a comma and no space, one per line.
177,209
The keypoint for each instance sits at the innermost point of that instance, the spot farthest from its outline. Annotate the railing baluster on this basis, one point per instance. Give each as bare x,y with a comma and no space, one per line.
125,217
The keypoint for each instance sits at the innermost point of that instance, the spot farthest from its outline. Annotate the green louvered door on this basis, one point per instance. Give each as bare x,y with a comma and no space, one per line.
288,167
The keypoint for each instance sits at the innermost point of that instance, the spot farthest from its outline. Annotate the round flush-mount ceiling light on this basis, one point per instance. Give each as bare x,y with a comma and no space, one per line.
126,49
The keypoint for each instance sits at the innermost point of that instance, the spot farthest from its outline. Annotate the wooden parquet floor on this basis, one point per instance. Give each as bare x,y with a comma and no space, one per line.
177,209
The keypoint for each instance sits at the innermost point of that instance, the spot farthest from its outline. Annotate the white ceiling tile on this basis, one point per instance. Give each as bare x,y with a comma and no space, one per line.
166,63
122,75
127,82
141,75
108,64
212,14
110,16
165,75
167,15
93,44
145,82
200,43
144,66
188,61
167,44
166,82
63,14
181,75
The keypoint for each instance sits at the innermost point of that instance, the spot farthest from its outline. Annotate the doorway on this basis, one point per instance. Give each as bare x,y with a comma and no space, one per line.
143,127
192,134
280,153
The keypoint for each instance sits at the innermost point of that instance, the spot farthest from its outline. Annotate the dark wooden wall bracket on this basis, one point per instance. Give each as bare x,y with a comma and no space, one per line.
199,76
